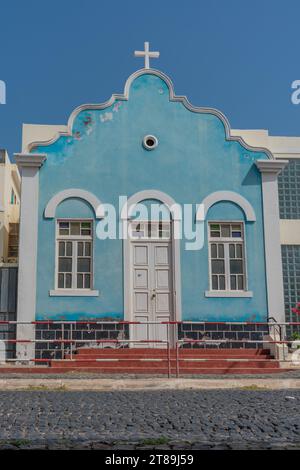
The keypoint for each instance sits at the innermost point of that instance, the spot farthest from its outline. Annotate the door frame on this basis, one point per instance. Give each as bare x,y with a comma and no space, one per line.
176,217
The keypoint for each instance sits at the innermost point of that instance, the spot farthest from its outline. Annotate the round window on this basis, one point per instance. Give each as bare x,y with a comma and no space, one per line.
150,142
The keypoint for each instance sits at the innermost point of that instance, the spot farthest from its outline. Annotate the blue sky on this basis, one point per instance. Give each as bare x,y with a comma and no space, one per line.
235,55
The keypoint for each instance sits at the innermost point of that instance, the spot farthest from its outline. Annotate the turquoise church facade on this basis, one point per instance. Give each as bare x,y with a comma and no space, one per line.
192,161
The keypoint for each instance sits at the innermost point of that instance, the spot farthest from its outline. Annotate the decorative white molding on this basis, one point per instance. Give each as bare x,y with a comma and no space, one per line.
274,277
28,256
215,293
73,293
127,209
230,196
30,159
172,97
96,204
274,166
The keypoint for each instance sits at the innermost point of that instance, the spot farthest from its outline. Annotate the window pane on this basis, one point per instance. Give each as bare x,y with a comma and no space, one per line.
69,249
231,251
65,265
221,251
225,230
222,282
239,251
214,226
80,248
215,282
240,282
87,281
80,281
163,230
63,224
218,267
233,282
138,230
236,266
60,281
86,228
85,224
68,281
64,228
75,228
214,251
152,230
236,234
236,230
87,249
215,234
84,265
61,249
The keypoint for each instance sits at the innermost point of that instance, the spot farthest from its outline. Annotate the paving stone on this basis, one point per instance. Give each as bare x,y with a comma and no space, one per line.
195,418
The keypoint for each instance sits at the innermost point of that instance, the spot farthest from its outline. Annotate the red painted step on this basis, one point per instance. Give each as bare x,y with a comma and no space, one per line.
154,361
183,362
134,371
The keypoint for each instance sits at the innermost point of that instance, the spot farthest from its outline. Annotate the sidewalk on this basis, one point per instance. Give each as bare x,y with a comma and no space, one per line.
113,384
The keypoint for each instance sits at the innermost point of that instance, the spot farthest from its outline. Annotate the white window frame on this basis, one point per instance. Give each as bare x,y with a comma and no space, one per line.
226,241
156,226
74,290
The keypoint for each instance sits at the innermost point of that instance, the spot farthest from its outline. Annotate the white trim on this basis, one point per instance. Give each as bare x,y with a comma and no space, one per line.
155,142
233,293
230,196
73,293
274,167
172,97
26,308
174,208
74,193
30,159
175,217
226,241
269,172
74,240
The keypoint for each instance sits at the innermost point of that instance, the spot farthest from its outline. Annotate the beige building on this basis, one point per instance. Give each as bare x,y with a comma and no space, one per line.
9,209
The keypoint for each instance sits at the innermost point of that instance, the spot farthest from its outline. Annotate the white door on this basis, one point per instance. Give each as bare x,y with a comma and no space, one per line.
152,293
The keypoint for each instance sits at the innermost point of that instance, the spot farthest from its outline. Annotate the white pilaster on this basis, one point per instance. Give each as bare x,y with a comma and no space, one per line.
269,171
29,165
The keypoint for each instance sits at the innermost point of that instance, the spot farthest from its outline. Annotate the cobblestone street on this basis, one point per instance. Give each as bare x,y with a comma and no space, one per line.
150,419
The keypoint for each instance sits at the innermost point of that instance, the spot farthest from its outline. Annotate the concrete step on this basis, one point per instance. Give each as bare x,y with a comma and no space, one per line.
156,371
159,363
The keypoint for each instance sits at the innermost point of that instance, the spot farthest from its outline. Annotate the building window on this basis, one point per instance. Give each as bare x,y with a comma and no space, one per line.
13,197
74,248
152,230
227,257
13,241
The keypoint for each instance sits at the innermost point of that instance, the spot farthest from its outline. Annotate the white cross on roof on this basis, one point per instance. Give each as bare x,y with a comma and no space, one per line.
147,54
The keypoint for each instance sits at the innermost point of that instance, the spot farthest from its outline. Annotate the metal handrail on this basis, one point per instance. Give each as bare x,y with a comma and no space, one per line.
168,342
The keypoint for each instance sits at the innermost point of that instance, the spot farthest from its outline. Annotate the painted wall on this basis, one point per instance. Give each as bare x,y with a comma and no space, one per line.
193,159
